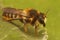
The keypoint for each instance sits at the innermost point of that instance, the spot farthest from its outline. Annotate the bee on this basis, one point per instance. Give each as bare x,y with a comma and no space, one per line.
28,15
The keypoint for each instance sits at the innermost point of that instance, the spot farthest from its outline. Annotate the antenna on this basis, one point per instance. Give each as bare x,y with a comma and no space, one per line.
47,11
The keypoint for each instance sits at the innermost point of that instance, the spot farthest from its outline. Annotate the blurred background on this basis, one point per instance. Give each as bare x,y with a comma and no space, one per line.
11,32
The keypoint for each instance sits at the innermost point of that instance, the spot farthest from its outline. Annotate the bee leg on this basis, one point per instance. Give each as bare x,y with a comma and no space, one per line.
25,27
36,30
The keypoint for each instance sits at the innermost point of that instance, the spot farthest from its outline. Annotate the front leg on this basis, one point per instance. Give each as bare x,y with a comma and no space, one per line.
36,29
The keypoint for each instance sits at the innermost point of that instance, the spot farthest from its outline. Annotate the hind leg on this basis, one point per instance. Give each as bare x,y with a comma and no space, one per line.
25,27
